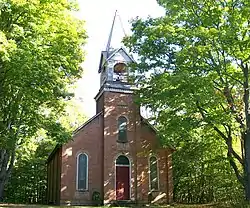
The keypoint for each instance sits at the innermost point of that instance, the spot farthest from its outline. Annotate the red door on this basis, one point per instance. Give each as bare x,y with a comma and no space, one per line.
122,183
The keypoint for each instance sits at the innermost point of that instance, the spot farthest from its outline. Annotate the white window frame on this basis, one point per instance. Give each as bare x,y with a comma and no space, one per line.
87,175
149,173
118,131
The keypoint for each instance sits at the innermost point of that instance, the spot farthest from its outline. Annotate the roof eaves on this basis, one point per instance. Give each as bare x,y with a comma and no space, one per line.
112,54
58,146
130,56
86,123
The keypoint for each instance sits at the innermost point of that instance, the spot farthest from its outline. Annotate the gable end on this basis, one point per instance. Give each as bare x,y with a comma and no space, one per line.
117,51
86,123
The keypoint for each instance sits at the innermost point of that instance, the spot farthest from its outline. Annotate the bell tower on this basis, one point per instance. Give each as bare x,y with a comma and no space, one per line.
113,70
120,121
115,102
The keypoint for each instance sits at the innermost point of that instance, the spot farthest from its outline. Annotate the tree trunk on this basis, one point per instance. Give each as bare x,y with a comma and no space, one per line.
2,183
6,163
247,132
247,166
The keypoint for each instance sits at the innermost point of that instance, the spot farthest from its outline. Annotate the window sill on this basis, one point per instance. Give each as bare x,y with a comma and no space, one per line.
82,190
121,142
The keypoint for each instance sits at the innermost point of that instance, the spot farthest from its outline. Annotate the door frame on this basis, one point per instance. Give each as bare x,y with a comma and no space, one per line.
129,166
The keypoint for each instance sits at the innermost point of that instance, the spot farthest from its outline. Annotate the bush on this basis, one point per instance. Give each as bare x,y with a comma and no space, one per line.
96,198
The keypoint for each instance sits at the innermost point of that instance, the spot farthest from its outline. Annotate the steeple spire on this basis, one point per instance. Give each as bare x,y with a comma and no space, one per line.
113,65
110,34
112,30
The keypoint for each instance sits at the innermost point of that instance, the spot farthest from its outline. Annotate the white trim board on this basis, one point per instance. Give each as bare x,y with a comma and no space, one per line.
87,174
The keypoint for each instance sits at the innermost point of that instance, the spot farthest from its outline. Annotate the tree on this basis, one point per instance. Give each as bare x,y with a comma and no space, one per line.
194,73
202,173
40,52
27,183
28,179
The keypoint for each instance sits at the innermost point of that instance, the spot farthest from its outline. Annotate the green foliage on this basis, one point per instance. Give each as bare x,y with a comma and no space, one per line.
202,173
28,178
96,198
193,69
28,181
40,55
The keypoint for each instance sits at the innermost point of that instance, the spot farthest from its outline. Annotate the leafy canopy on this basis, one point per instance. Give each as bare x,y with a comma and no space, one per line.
40,54
194,73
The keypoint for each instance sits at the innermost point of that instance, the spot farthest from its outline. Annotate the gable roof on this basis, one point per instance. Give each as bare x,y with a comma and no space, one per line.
104,54
117,50
86,123
58,146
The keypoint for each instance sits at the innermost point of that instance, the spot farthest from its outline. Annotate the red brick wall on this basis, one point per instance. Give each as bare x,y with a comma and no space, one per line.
142,142
88,140
115,105
99,140
150,146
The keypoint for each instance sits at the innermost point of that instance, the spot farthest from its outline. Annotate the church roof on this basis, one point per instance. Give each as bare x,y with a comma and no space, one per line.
112,47
86,123
74,133
117,50
145,121
106,57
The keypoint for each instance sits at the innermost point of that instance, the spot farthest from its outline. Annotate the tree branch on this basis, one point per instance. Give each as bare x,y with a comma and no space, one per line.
227,139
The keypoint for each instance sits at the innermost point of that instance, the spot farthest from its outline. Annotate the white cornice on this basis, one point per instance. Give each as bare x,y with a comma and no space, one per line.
111,89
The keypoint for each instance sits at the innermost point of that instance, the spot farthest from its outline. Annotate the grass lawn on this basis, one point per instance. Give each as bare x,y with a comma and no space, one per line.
167,206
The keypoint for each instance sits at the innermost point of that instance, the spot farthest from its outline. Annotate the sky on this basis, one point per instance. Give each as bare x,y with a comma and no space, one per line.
99,15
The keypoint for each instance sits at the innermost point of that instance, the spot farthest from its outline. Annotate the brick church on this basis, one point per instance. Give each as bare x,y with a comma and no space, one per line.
116,155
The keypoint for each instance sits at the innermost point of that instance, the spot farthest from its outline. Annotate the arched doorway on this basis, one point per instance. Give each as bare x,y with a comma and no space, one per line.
122,165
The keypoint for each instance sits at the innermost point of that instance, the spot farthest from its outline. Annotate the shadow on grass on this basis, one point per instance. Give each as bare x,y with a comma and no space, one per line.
142,206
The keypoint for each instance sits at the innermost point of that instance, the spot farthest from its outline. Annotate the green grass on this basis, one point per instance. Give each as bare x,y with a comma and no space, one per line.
43,206
166,206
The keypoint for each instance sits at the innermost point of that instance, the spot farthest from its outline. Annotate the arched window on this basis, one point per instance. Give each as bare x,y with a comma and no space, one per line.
82,172
120,72
122,129
153,174
122,160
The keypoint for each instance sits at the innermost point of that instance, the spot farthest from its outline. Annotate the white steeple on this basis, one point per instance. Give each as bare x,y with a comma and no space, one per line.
115,59
114,62
117,31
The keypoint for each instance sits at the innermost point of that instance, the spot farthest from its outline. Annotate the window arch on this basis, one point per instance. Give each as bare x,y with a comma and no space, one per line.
120,72
82,172
122,129
122,160
153,174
